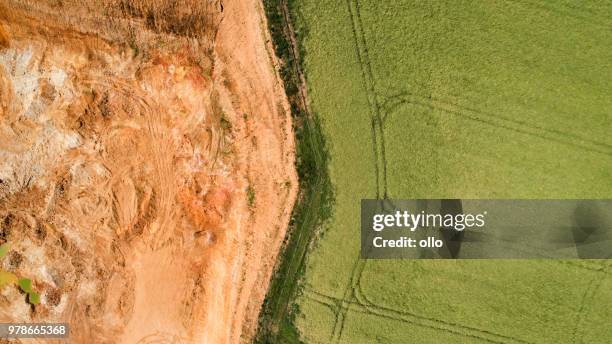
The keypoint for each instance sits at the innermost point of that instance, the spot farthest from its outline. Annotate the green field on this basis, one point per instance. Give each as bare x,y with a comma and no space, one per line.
457,99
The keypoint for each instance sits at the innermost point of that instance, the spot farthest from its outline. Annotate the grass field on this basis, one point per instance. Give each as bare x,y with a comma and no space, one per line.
457,99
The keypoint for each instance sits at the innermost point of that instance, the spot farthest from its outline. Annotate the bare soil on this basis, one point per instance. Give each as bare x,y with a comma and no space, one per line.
146,167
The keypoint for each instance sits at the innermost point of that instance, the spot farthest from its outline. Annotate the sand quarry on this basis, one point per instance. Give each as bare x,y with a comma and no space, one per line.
146,167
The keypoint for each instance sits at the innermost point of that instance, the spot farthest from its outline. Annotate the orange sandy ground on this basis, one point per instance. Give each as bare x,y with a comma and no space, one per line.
146,167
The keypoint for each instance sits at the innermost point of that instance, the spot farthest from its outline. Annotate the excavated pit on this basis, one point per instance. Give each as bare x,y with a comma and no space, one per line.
146,167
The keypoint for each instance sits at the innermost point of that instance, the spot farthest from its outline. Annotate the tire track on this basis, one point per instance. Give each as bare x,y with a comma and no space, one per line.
363,299
403,98
551,135
414,319
347,298
378,147
587,298
369,84
161,146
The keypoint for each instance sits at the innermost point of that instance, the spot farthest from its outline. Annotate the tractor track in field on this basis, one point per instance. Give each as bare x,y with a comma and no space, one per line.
369,84
585,267
414,319
402,98
521,127
378,147
348,297
363,298
587,298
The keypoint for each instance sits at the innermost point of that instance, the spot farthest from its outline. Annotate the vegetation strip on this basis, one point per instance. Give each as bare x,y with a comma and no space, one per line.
315,196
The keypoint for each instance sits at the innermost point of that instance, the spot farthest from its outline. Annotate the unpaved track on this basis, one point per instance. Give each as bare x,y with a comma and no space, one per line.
146,167
246,51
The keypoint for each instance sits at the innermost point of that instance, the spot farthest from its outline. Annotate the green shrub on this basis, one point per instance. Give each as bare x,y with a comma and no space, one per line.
25,284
